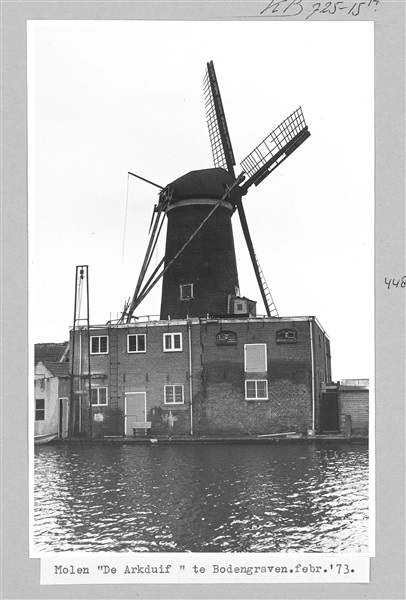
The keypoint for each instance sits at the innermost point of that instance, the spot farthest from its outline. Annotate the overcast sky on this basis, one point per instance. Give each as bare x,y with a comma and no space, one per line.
108,97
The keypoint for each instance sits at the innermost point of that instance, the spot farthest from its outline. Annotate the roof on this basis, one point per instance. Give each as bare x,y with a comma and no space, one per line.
52,352
205,183
58,369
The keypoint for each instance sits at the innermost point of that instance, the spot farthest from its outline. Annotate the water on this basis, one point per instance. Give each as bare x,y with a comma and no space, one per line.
197,498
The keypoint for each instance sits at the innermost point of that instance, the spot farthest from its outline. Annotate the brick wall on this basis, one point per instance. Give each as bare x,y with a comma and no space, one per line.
218,378
222,408
355,403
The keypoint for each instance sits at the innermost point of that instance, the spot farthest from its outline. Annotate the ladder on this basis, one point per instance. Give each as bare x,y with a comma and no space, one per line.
270,304
113,378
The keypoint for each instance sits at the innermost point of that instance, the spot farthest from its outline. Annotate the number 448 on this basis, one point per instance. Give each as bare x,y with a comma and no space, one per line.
396,283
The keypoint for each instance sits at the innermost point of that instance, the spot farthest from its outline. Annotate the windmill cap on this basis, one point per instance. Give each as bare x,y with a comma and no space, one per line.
205,183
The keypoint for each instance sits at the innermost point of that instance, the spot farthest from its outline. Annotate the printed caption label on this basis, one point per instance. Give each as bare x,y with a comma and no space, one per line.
206,568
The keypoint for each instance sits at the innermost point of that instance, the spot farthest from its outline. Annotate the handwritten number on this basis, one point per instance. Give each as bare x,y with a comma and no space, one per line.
316,8
356,8
396,282
293,8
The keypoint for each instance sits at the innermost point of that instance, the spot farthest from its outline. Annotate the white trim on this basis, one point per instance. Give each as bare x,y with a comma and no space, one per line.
173,385
256,389
199,201
59,413
313,391
145,322
125,406
99,336
265,369
190,377
137,335
172,337
97,388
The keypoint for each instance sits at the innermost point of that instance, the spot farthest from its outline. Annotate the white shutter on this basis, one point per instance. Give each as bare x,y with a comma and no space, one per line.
255,358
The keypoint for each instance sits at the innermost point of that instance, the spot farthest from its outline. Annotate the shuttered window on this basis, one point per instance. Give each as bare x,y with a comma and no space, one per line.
255,358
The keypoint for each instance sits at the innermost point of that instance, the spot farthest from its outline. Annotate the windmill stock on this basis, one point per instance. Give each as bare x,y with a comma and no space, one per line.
199,268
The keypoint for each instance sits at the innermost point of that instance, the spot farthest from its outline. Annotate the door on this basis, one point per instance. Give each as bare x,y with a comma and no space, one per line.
135,410
63,418
329,414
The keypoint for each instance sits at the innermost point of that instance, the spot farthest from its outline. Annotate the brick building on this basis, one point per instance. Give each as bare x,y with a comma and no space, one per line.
230,376
354,406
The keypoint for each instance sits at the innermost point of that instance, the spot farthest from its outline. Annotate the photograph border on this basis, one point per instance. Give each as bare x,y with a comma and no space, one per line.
20,575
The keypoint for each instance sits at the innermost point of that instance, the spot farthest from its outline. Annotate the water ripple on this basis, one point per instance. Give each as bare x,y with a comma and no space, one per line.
231,498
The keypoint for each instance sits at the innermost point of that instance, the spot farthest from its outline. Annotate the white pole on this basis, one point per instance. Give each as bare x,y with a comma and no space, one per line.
312,353
190,377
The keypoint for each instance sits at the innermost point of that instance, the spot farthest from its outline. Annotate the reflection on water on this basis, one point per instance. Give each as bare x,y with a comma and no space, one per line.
197,498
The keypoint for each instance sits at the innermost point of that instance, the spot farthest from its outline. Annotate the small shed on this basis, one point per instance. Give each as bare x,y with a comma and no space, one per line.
51,397
354,405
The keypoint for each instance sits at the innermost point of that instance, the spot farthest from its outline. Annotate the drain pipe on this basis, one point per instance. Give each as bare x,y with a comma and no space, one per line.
312,353
190,376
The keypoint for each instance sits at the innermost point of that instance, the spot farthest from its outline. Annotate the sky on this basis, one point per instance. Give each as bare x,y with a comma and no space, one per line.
108,97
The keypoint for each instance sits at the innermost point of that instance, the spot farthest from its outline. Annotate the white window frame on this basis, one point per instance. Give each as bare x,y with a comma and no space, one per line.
256,381
172,338
265,365
136,335
173,386
97,389
92,337
181,286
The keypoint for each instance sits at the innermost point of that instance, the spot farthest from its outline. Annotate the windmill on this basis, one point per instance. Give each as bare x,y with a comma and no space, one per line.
199,267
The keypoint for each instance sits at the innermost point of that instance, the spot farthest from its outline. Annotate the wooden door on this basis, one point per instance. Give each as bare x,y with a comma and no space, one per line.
329,412
63,418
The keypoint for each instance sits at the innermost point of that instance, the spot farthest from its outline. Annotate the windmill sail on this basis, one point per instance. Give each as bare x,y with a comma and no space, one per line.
274,149
220,142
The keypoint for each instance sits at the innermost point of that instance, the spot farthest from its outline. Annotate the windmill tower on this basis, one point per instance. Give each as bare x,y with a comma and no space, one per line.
199,269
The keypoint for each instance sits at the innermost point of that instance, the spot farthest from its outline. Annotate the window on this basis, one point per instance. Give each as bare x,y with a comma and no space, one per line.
256,389
172,342
99,396
286,336
226,338
186,291
99,344
136,342
40,409
255,358
174,394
